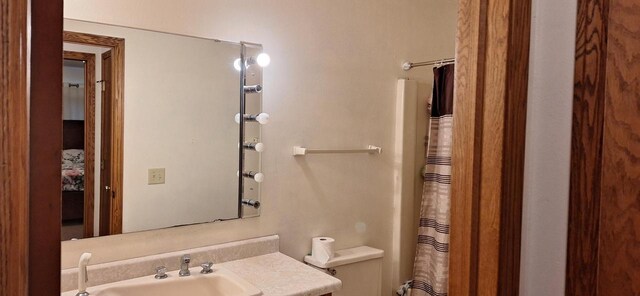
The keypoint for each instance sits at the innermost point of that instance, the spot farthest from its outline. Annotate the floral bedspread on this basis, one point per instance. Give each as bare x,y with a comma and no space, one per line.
73,179
73,170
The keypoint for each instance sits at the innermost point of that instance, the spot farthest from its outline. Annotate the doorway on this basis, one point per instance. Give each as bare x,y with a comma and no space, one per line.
106,165
78,155
108,112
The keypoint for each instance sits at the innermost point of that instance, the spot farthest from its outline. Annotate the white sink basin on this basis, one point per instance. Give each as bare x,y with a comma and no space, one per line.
219,283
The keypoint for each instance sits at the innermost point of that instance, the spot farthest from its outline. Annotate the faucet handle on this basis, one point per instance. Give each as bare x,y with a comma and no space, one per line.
184,265
161,272
206,267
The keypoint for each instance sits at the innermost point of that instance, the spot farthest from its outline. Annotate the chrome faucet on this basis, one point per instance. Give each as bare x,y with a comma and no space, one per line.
184,265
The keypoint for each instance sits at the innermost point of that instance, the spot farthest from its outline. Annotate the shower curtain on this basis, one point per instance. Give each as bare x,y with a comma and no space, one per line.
431,266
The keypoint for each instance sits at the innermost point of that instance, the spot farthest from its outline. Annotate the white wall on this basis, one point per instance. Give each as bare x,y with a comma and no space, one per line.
73,74
73,97
548,145
331,83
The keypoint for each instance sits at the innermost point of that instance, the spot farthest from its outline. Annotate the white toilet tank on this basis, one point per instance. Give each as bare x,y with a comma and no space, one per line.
359,269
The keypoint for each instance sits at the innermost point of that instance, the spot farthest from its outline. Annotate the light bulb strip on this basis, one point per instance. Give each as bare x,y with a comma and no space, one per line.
258,177
261,60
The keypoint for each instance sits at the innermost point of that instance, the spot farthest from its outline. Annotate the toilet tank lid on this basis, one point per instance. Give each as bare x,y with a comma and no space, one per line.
347,256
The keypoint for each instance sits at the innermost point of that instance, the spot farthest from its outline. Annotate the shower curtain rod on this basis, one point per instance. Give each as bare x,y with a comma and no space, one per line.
408,65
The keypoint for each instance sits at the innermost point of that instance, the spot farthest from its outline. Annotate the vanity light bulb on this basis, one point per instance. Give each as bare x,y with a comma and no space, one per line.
263,60
262,118
236,64
258,147
259,177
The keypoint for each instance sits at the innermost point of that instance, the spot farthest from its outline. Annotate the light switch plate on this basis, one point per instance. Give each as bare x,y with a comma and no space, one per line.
156,176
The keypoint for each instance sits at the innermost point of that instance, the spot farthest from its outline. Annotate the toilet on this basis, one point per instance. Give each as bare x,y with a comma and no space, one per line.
359,269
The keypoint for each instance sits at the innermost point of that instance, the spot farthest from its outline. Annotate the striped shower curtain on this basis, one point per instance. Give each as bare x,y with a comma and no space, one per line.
431,266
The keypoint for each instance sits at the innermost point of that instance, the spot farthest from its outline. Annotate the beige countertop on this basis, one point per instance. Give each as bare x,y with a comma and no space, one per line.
276,274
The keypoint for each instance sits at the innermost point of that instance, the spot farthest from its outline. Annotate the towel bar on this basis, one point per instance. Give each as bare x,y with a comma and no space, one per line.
298,150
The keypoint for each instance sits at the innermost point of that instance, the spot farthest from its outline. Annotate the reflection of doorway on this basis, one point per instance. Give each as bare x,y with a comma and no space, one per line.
110,146
78,135
106,203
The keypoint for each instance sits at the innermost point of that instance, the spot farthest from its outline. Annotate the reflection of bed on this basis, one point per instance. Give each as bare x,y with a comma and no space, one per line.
73,171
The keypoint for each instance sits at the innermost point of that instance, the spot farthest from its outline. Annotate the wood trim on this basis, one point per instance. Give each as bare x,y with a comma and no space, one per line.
467,148
586,147
513,147
603,207
92,39
45,146
14,147
619,242
117,157
78,56
89,135
488,155
117,121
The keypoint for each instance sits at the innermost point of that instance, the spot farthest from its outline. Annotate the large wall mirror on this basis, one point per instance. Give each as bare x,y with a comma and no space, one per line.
150,139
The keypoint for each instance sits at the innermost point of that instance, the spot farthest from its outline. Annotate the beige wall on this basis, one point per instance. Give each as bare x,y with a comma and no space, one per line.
548,148
331,83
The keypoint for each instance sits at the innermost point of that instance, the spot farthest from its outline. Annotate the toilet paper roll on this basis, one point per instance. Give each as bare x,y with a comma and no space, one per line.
322,248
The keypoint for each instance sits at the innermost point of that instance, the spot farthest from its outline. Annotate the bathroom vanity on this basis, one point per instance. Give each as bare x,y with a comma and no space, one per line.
249,268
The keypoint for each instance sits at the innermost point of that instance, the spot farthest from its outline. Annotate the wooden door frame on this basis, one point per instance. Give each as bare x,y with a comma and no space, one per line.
89,60
14,148
45,147
587,147
495,32
106,205
492,60
117,106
